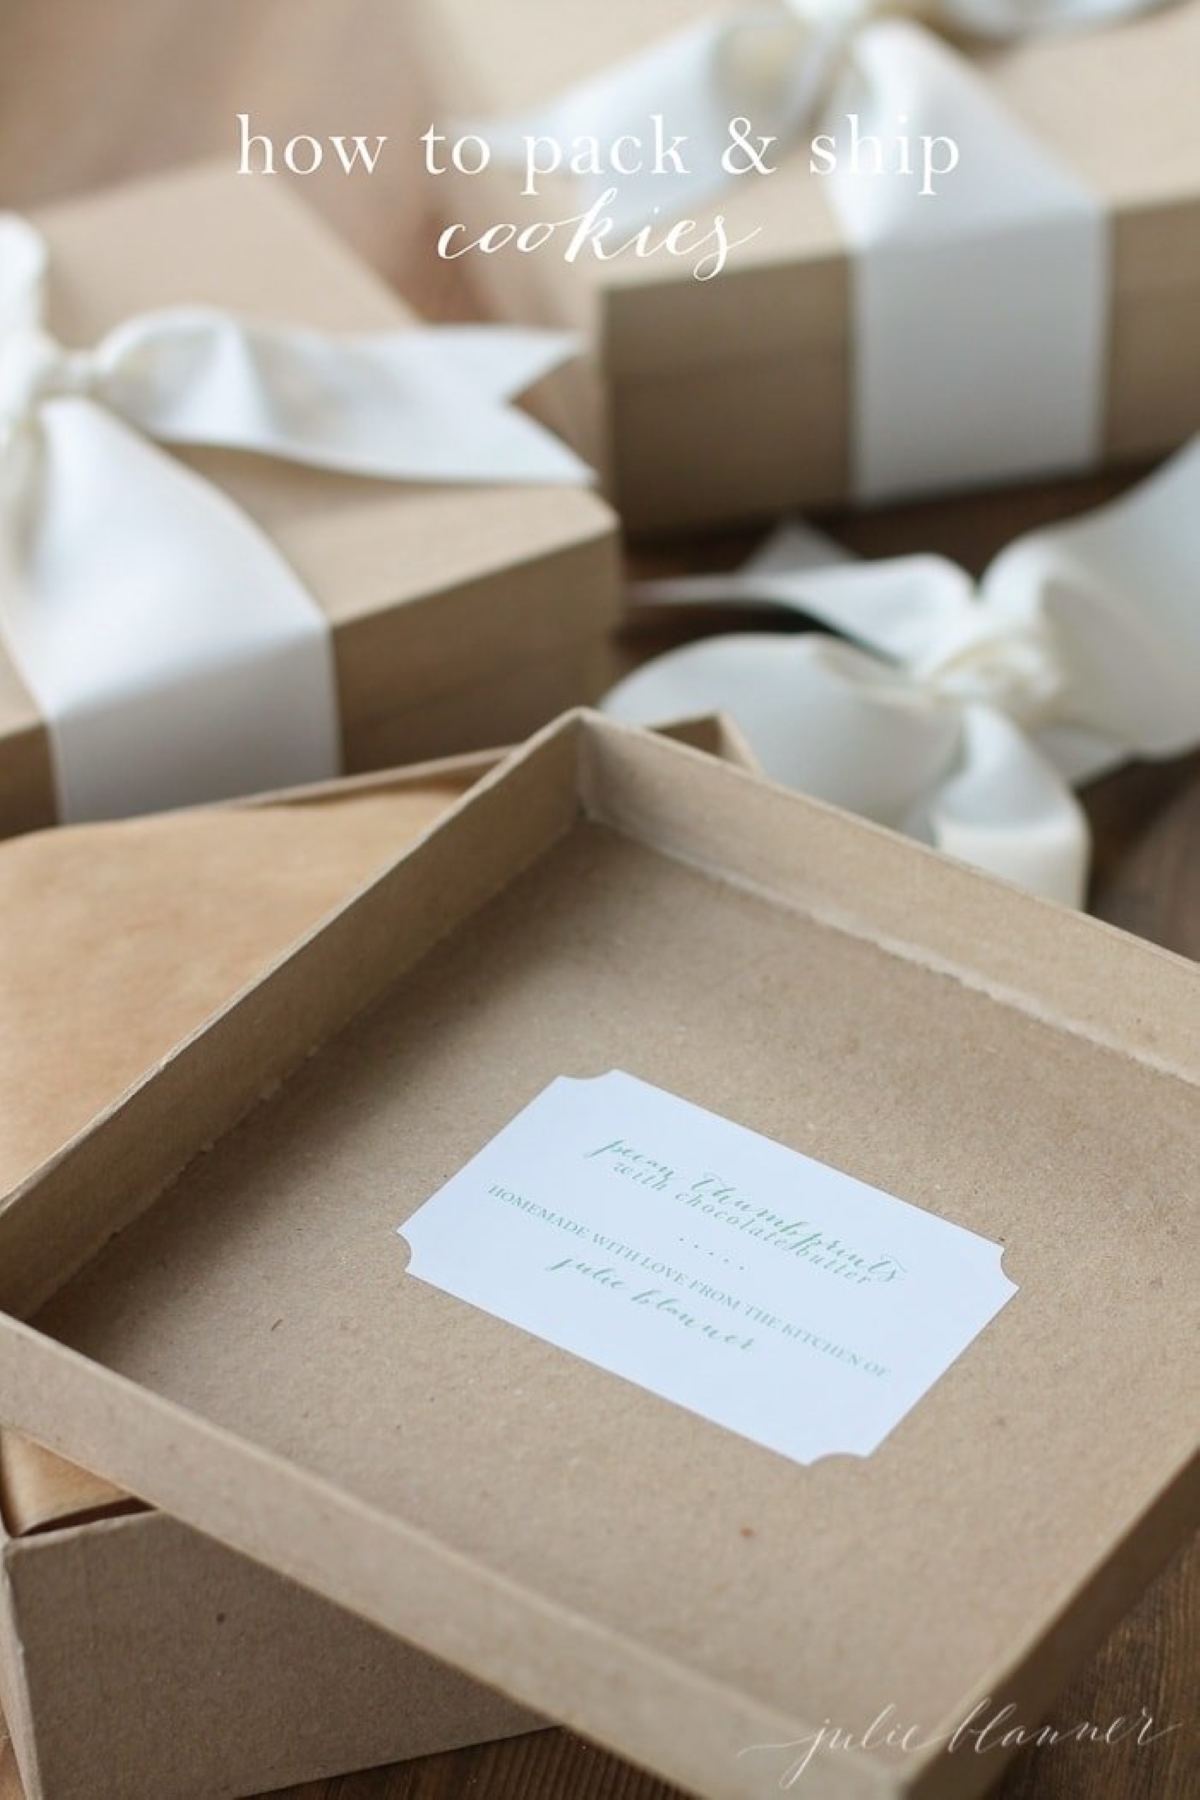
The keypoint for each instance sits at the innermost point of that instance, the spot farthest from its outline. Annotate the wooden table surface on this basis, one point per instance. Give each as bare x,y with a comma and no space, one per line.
92,93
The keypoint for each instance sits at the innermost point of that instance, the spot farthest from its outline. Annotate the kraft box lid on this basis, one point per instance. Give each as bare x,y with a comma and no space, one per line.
208,1303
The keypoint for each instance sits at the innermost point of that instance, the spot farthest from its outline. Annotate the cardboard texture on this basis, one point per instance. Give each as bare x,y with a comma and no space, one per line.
130,935
10,1781
761,358
39,1491
256,1684
606,900
164,1665
463,617
95,918
95,992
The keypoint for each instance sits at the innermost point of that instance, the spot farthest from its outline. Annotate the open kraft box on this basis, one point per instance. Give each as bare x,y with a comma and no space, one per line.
462,616
256,1683
206,1298
760,359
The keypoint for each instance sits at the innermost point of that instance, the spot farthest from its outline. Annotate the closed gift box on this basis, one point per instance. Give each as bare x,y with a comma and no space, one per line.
608,901
729,398
462,616
139,1658
256,1684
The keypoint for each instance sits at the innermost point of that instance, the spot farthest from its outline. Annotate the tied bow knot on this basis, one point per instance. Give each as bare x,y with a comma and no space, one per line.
34,368
960,713
1013,666
794,48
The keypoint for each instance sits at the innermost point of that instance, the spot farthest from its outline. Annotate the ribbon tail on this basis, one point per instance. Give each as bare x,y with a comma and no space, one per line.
400,406
893,607
1007,19
175,656
1120,587
504,361
820,716
24,268
1009,811
794,548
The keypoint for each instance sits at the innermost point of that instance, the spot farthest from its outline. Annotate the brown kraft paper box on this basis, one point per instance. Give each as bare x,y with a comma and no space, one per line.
256,1684
103,1604
607,900
159,1663
463,617
729,399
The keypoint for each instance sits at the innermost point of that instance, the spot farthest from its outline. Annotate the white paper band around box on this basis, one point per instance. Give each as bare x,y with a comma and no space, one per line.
980,313
174,654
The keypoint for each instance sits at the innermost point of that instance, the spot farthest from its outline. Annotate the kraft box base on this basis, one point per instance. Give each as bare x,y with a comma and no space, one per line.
608,900
166,1665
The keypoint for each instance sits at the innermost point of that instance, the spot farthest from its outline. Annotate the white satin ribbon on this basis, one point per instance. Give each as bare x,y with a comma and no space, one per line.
961,714
979,313
173,653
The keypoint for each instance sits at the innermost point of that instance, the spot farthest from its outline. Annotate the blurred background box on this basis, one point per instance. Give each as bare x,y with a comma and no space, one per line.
462,616
722,400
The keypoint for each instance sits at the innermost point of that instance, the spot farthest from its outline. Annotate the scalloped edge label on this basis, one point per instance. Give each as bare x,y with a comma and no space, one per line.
751,1284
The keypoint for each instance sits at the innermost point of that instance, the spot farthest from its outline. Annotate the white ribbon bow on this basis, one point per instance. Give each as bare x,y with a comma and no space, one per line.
962,714
174,654
773,64
995,287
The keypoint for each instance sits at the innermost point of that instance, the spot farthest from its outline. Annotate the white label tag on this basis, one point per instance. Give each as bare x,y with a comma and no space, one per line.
765,1291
